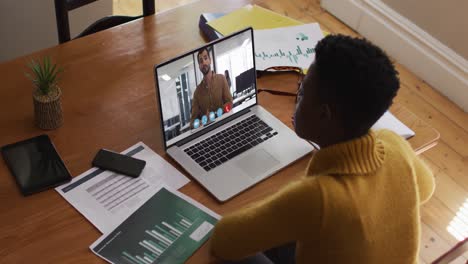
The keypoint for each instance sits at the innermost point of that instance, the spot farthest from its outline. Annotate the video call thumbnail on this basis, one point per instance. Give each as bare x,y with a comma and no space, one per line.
207,85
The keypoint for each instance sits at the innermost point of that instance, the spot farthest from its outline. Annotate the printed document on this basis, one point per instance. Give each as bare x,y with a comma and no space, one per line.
389,121
286,46
168,228
106,198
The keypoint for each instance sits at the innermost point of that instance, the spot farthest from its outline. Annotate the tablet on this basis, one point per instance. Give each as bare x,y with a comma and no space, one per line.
35,164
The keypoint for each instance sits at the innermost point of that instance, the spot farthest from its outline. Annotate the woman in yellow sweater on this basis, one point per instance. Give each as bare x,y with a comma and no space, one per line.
360,197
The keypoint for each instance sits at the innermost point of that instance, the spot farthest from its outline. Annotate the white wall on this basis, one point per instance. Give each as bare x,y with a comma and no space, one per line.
167,89
445,20
234,55
425,55
29,25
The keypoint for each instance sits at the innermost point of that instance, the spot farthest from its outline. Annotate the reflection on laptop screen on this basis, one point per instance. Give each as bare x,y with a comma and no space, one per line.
207,85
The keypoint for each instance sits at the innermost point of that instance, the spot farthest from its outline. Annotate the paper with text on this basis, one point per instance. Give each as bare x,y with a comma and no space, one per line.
286,46
168,228
106,198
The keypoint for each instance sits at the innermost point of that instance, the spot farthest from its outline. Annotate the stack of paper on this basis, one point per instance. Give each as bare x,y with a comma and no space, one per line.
144,220
106,198
251,16
279,40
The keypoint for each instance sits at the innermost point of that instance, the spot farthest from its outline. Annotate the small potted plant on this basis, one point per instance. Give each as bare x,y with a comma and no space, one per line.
46,95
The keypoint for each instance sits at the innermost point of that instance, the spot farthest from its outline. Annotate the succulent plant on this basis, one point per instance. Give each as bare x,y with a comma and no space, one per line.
44,74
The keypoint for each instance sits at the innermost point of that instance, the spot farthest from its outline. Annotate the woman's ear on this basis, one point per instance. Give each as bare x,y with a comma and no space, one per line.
325,112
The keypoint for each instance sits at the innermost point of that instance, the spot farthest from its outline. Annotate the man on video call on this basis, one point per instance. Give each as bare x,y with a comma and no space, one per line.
212,93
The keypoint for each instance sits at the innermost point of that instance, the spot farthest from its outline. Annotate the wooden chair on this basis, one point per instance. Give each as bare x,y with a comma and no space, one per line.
457,251
62,7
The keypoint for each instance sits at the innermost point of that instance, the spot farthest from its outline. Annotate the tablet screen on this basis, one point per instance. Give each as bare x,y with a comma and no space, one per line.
35,164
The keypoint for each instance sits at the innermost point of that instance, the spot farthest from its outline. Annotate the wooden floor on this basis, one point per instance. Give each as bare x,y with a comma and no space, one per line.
134,7
448,160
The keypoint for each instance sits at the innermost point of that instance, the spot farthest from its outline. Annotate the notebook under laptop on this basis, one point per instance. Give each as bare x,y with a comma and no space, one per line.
214,127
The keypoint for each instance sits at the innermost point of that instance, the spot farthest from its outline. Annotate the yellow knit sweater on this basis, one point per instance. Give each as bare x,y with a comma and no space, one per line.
358,203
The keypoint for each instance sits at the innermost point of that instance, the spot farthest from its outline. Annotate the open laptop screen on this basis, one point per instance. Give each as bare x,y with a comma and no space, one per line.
199,88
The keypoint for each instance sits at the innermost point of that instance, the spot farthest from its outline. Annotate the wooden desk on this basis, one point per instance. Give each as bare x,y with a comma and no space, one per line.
109,101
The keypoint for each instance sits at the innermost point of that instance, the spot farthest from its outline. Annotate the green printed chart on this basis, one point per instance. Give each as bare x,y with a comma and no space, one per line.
166,229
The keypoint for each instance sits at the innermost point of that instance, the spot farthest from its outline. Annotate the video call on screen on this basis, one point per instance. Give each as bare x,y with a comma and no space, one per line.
231,62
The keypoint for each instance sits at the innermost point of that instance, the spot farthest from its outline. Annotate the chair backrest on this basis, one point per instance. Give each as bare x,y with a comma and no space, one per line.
62,7
457,251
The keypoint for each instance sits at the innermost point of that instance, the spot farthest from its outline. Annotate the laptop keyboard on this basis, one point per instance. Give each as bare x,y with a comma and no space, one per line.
230,142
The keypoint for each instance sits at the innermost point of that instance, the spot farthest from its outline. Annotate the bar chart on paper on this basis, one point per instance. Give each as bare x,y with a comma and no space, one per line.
166,229
163,236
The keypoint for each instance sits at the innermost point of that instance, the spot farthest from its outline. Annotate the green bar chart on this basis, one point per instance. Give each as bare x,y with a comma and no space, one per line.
166,229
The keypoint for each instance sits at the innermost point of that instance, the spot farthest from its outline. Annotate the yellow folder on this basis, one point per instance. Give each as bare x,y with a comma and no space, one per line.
251,16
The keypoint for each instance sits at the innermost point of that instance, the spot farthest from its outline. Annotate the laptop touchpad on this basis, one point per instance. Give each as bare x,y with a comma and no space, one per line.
256,163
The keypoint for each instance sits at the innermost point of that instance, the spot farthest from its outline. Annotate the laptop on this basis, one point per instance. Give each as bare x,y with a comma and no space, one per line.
216,131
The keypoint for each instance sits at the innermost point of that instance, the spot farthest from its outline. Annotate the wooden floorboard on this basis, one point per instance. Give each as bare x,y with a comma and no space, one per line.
447,190
435,98
134,7
448,160
453,134
432,245
438,216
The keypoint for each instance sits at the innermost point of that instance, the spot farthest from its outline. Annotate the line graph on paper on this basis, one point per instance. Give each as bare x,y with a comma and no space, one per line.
287,46
292,56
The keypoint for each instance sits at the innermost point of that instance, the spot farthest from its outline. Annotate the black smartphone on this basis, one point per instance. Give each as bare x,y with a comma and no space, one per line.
120,163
